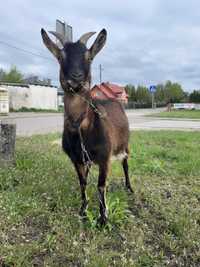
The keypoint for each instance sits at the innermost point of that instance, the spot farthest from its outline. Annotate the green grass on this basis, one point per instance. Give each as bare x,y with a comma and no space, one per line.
24,109
186,114
159,225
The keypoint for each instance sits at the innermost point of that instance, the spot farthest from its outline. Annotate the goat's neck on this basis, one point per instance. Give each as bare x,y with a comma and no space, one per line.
77,109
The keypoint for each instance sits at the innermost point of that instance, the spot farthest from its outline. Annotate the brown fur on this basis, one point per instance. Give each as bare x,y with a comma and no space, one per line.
98,127
104,134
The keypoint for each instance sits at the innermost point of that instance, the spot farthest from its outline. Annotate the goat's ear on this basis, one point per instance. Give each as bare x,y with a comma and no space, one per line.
53,48
98,43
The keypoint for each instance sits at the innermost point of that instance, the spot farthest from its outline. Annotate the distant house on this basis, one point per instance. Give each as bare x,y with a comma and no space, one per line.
31,96
109,91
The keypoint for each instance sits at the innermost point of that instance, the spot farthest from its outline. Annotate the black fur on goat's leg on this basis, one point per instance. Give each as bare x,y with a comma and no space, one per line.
126,173
103,172
82,172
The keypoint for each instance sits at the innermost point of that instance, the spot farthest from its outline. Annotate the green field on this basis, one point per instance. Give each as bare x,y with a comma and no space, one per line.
158,225
24,109
186,114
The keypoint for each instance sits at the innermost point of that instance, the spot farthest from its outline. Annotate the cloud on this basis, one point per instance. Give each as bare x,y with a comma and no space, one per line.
148,41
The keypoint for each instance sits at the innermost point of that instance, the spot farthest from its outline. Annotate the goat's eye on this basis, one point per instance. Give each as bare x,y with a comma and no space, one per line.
87,56
62,56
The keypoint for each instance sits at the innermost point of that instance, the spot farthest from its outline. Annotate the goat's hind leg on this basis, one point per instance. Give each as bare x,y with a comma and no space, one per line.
103,172
126,173
82,172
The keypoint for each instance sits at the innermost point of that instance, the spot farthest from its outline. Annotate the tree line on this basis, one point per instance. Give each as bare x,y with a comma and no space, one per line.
165,93
168,92
13,75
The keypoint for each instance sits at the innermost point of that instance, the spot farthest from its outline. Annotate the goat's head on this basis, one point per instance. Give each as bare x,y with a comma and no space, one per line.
74,58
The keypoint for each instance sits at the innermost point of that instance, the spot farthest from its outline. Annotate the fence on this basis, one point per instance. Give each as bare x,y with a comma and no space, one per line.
136,105
188,106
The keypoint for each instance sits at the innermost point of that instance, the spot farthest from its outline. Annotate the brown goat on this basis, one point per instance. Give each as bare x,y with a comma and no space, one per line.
94,130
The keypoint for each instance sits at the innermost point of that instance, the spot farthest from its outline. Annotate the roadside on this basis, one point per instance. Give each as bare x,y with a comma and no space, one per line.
20,115
178,114
140,119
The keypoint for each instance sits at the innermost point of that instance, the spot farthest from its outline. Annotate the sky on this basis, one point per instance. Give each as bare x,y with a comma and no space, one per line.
148,41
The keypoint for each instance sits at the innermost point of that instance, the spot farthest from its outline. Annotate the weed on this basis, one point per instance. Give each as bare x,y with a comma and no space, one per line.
159,225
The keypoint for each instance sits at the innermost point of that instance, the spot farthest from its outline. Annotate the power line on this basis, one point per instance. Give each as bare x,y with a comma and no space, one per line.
25,51
33,54
19,42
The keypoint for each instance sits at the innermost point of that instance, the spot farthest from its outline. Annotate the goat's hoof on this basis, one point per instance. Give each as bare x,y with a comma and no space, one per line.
83,210
102,220
83,213
129,189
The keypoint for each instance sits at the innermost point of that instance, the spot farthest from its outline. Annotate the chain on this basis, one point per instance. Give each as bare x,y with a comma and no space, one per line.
89,102
87,162
85,155
86,158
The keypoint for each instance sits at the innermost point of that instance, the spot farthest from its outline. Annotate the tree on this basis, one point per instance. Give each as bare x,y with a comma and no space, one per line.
2,73
160,93
143,95
12,76
173,92
130,90
165,93
195,96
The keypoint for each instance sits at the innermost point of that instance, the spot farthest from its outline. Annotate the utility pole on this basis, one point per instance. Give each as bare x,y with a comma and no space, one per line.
152,90
152,100
100,73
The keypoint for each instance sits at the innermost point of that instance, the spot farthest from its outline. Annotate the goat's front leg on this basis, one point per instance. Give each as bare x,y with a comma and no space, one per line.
82,172
103,172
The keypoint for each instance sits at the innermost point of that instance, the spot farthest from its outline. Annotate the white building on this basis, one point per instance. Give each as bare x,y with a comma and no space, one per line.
60,97
32,96
4,102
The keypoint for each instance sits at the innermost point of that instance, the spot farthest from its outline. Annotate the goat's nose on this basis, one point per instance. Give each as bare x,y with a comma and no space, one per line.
77,76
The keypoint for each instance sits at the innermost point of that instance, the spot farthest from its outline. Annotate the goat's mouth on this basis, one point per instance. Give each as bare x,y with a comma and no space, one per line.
68,86
71,85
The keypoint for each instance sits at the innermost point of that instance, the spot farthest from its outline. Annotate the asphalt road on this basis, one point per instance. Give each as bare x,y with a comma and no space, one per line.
41,123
